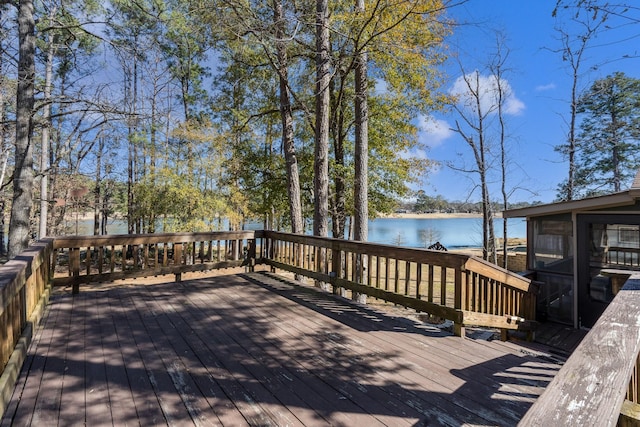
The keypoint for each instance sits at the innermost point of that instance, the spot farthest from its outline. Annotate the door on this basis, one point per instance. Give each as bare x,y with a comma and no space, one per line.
605,242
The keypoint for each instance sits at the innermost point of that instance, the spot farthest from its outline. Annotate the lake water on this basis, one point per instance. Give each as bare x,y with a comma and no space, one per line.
451,232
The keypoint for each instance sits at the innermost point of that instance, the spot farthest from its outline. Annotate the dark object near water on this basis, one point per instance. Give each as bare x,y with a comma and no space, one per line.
437,246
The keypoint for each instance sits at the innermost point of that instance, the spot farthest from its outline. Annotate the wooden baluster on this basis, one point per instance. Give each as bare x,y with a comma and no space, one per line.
407,278
74,266
492,297
418,280
88,260
396,276
287,253
369,268
156,255
100,259
430,283
443,286
178,259
386,273
353,267
305,262
165,254
112,259
336,267
177,254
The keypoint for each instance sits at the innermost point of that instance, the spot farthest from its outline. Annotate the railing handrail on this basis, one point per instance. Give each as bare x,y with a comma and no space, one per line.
148,238
479,293
589,390
16,271
24,284
465,262
492,271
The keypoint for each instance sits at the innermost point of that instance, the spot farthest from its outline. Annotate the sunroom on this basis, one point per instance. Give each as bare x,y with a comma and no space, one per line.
582,252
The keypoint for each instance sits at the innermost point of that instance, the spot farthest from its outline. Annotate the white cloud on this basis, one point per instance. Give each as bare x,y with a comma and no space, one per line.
433,132
487,88
544,88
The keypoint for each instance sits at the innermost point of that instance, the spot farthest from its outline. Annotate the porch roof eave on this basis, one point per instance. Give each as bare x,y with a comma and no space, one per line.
624,198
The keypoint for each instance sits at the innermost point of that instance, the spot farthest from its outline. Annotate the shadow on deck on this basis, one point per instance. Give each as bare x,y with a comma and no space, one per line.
255,349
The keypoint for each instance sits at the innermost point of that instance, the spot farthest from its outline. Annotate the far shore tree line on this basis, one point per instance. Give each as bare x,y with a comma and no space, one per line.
425,203
176,112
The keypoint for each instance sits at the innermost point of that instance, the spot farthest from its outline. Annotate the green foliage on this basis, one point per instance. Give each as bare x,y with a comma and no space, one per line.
426,203
608,144
404,42
177,203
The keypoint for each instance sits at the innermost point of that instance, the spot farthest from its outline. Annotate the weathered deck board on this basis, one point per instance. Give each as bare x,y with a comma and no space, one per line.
254,350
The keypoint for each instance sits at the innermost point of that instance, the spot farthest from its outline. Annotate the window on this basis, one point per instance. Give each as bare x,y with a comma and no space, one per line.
629,236
553,245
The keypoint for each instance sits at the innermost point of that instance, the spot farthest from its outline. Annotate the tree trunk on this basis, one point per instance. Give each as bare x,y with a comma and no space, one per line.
4,131
97,193
46,127
361,159
23,172
286,114
336,126
321,152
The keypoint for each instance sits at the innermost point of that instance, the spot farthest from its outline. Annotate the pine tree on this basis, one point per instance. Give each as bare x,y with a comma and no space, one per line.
609,135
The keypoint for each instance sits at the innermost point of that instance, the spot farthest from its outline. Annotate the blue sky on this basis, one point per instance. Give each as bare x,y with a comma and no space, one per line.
540,87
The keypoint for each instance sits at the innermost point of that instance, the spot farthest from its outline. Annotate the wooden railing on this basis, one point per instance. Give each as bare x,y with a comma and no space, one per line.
24,291
622,257
593,386
461,288
86,259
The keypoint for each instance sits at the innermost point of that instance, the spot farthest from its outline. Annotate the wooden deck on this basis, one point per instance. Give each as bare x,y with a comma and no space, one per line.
253,350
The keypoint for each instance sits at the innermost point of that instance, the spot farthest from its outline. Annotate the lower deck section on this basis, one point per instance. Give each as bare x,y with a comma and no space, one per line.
255,349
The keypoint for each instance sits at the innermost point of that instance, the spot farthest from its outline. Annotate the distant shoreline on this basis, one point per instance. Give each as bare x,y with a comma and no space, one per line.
86,216
438,215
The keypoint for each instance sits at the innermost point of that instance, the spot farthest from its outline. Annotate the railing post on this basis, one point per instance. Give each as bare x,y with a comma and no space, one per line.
250,260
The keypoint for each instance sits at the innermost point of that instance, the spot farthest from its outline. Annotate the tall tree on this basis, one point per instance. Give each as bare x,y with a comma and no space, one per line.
361,158
361,184
498,70
7,131
608,144
396,33
474,114
286,114
19,230
321,152
574,48
64,46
